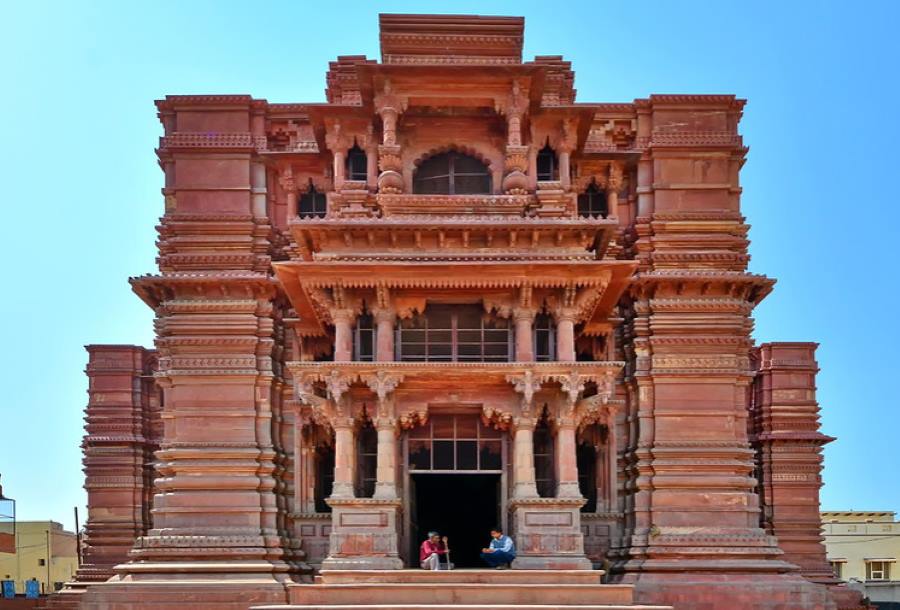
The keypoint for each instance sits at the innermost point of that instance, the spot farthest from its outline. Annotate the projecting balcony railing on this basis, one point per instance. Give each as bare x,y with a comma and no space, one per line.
449,373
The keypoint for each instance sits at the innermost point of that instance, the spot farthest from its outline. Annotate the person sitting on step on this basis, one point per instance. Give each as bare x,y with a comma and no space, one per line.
433,552
501,552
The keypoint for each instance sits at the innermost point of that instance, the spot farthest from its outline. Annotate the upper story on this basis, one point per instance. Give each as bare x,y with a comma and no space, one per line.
453,131
450,173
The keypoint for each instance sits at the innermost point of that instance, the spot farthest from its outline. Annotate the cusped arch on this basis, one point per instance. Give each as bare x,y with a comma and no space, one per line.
464,149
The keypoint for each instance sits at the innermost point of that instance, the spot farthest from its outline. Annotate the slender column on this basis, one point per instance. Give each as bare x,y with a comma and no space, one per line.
565,335
339,170
344,458
384,334
386,468
566,463
532,167
564,172
372,167
523,458
613,184
612,457
524,318
343,334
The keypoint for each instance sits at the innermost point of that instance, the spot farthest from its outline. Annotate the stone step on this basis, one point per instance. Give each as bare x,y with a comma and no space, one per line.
463,607
535,577
455,593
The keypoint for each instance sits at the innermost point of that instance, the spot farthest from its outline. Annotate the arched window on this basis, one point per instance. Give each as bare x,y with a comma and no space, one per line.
364,338
324,464
544,338
547,167
452,173
592,202
312,203
366,460
587,458
544,458
357,164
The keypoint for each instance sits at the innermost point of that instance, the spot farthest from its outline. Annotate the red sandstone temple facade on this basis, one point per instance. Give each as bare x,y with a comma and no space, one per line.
450,297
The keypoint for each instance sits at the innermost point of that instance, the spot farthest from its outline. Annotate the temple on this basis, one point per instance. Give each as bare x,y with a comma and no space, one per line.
452,297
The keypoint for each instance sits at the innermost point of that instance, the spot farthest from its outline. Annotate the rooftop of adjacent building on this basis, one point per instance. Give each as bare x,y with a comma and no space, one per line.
858,516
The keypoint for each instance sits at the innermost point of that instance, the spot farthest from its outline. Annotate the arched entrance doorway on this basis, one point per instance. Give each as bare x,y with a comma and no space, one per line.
455,483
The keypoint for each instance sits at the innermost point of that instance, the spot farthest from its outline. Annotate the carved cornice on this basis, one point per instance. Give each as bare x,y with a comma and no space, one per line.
227,141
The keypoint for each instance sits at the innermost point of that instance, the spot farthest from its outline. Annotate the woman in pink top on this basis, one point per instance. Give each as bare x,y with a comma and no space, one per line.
433,551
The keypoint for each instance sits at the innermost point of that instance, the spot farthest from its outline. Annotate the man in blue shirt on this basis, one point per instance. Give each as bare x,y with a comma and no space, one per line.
501,552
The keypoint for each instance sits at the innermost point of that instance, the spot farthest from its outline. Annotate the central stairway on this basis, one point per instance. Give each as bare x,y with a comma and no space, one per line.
460,590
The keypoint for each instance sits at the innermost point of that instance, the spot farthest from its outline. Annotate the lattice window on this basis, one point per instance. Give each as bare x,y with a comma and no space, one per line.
364,338
547,165
592,202
544,338
544,459
455,443
312,203
357,164
452,173
366,460
454,333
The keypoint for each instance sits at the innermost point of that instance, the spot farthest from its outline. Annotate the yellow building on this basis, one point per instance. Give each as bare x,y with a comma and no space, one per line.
45,552
863,547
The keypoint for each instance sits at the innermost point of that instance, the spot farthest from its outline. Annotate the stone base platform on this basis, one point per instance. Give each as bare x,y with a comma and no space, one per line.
460,590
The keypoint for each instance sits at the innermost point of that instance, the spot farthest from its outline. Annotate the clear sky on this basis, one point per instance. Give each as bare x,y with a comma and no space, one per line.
81,184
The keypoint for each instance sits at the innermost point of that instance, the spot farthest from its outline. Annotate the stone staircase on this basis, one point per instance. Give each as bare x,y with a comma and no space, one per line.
460,590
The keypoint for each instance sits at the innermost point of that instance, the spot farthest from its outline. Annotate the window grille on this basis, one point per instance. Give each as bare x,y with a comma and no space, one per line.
455,442
592,202
452,173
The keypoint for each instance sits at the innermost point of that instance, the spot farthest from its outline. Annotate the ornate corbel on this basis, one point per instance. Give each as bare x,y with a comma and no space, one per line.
382,384
526,384
496,418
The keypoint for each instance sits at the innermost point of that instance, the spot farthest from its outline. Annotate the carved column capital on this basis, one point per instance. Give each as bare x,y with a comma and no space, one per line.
524,313
383,384
527,384
344,315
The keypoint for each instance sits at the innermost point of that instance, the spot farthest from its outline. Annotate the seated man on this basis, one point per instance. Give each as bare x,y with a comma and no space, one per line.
433,552
501,552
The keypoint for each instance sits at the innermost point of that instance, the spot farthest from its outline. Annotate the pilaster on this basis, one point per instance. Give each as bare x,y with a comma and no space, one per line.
694,506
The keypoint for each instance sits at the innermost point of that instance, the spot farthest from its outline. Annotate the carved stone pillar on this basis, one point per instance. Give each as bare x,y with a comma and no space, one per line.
344,457
524,319
613,184
564,170
389,107
340,157
384,334
565,334
386,469
523,458
566,463
343,334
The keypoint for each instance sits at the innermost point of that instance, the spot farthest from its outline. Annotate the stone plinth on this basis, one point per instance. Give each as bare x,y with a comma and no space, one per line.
548,534
363,535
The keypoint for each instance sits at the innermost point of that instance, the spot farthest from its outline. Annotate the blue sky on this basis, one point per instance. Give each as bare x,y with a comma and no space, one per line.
81,184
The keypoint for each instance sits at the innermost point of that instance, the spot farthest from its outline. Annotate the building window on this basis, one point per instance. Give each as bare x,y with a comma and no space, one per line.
586,457
547,168
367,460
454,333
455,442
592,202
544,338
312,204
42,562
324,477
452,173
544,459
838,568
357,164
364,339
878,570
